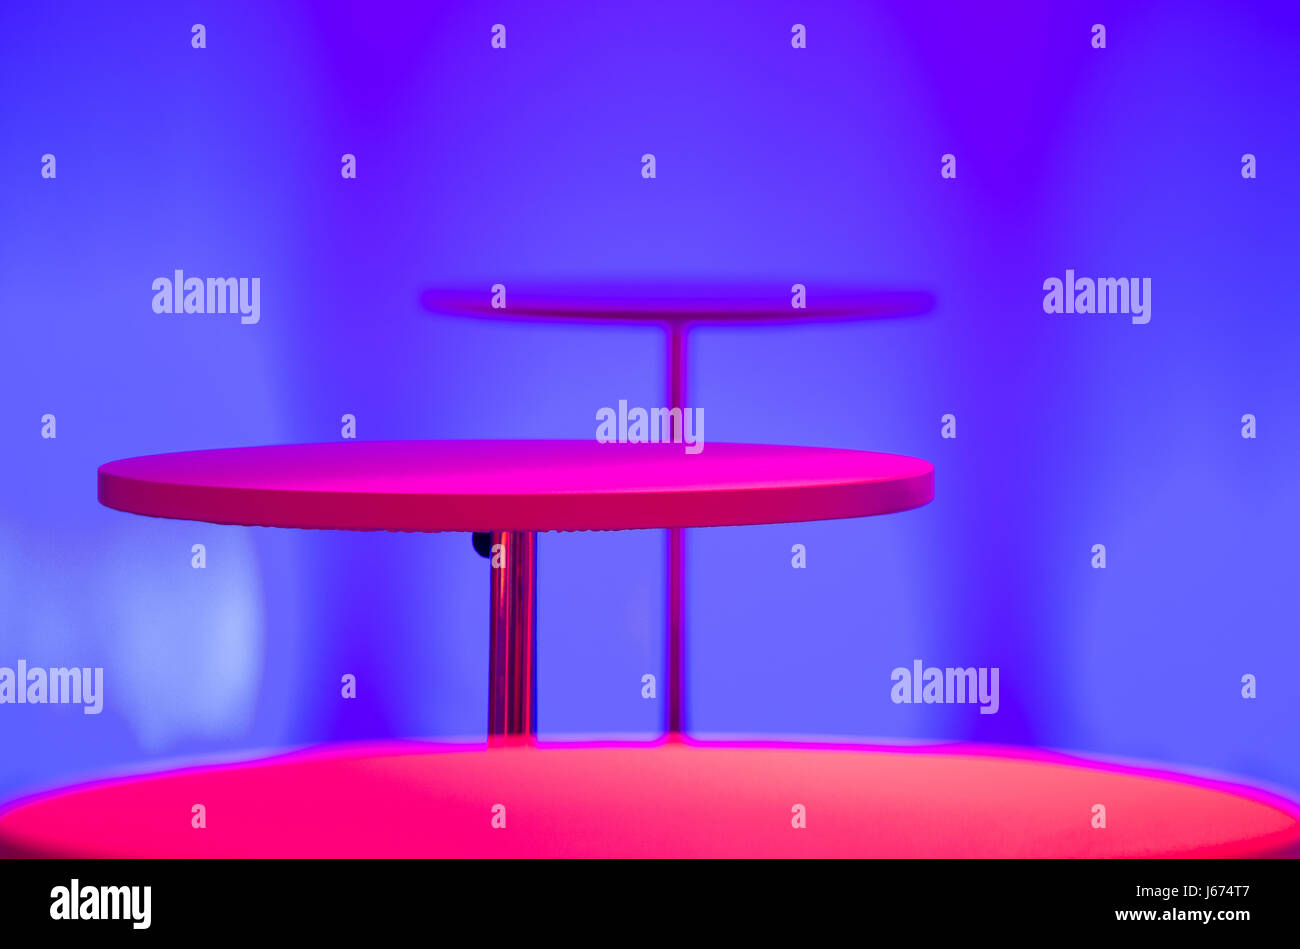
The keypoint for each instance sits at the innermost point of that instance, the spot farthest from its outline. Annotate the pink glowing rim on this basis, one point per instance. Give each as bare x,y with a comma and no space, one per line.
514,485
682,303
663,799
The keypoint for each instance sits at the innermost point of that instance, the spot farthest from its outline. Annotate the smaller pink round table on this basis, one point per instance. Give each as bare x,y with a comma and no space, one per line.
511,490
676,306
681,304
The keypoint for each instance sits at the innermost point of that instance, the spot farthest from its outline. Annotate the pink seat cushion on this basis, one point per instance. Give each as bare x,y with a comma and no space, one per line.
671,800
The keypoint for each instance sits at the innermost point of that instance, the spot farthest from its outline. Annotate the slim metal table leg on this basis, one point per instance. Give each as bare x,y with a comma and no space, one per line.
512,689
677,553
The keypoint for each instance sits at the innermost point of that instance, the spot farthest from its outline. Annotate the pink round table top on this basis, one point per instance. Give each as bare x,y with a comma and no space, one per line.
670,800
514,485
678,303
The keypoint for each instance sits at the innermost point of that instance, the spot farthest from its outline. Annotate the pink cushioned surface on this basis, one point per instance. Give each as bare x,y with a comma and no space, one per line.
671,800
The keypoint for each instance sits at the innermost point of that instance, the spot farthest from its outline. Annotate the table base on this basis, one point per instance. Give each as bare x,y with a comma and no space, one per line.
512,687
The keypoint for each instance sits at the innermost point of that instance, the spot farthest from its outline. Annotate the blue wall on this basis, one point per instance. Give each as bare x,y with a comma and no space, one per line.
777,165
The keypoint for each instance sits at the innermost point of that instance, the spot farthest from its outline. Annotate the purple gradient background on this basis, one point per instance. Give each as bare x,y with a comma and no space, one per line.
775,165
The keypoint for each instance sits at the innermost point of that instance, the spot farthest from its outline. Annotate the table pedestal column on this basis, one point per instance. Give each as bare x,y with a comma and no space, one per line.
512,690
676,724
